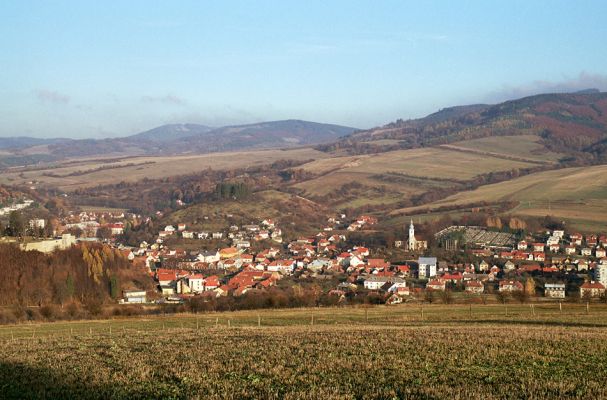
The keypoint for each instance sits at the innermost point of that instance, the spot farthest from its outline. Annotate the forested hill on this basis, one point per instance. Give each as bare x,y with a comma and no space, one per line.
173,139
572,123
87,275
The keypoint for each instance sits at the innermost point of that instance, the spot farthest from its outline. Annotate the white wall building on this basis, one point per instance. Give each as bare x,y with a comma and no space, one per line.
427,267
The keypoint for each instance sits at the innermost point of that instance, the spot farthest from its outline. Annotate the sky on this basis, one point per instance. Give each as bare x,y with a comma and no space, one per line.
92,69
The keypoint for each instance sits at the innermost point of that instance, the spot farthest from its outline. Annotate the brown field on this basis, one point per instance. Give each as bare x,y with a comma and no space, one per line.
454,352
431,162
522,146
577,195
151,167
416,171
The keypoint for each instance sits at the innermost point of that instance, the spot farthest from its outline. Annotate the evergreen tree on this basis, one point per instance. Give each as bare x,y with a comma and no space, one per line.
114,287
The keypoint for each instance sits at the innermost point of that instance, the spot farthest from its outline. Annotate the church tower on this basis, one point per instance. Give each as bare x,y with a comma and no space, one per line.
412,245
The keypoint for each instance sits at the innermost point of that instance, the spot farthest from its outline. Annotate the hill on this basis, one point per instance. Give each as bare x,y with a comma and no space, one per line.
25,141
572,123
173,139
267,135
575,195
170,132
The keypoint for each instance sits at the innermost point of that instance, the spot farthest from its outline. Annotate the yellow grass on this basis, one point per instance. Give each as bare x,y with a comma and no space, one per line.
577,195
523,146
155,167
427,167
430,162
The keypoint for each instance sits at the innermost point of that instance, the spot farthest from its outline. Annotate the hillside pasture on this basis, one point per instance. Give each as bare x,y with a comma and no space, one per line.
519,146
577,195
389,177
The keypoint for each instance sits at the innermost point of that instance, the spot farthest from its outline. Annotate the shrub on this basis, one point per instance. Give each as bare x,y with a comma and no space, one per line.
48,311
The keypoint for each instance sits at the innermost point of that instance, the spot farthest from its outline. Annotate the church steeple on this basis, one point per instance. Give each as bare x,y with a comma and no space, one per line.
412,242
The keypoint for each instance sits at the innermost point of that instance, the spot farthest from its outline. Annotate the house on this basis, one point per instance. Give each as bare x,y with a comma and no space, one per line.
582,265
196,283
284,266
522,245
554,290
374,282
586,251
510,286
355,261
558,233
361,251
181,227
241,244
454,277
538,247
202,235
187,234
394,298
169,228
436,285
269,223
592,289
483,266
509,266
166,278
167,290
591,240
600,253
570,250
396,287
228,252
378,263
211,283
426,267
554,247
134,297
217,235
474,287
209,256
404,270
600,274
576,239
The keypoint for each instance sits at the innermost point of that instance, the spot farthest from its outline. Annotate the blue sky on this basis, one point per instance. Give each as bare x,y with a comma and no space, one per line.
113,68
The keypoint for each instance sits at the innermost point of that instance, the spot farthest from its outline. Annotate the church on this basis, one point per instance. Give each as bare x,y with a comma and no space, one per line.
412,243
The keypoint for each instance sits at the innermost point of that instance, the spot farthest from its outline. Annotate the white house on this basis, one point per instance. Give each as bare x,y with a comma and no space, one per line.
196,283
134,296
600,274
554,290
427,267
209,256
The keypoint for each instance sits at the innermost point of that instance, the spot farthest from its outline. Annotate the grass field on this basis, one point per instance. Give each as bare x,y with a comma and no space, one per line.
431,162
416,171
523,146
483,352
577,195
150,167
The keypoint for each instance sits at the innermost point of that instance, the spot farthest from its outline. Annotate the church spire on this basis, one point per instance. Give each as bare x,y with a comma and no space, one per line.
412,242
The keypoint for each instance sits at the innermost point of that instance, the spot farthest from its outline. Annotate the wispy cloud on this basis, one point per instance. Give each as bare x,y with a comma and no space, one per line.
168,99
583,81
52,96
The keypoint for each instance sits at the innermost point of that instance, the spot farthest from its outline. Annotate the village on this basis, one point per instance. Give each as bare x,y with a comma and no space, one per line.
553,265
253,257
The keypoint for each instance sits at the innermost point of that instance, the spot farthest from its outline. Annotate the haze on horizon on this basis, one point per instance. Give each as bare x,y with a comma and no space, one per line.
89,69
